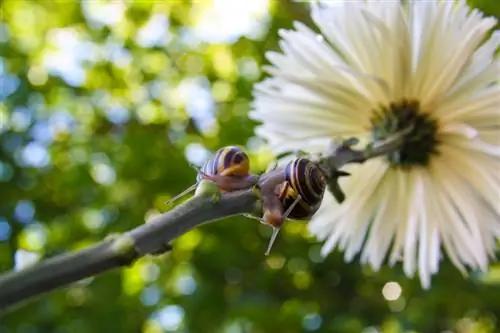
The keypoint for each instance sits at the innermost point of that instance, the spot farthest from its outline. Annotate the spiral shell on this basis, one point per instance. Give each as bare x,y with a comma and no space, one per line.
304,178
307,179
227,161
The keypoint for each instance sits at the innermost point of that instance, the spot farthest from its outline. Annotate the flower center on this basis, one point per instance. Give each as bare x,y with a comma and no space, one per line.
419,144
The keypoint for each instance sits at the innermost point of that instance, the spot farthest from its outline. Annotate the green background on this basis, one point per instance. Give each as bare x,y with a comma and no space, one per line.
103,108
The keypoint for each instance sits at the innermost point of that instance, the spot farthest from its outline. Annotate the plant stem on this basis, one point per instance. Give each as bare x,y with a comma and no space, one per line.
149,238
154,236
56,272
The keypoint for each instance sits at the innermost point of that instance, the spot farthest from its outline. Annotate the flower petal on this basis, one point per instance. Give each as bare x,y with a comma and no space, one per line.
385,219
349,217
371,56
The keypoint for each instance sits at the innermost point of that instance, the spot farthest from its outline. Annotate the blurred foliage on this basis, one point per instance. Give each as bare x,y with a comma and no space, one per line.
104,105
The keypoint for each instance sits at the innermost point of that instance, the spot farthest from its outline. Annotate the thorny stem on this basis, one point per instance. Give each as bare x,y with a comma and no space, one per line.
154,237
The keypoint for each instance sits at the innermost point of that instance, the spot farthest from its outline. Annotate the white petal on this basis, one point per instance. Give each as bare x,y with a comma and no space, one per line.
371,54
449,39
477,106
436,212
385,218
477,144
405,180
424,241
464,207
448,74
481,71
330,89
358,194
416,203
464,130
352,43
478,170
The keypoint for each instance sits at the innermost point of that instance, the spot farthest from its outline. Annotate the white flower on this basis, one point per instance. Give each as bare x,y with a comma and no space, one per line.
428,63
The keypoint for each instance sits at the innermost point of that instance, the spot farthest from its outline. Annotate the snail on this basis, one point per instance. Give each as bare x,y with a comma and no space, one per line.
300,194
228,169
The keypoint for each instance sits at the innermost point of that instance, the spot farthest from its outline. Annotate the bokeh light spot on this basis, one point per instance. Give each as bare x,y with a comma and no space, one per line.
314,253
132,279
154,32
296,264
6,172
186,285
33,237
60,122
24,211
103,174
5,230
20,119
222,91
41,132
302,280
24,259
77,296
150,296
391,291
170,317
397,305
189,240
9,84
151,326
4,33
275,262
224,21
99,13
4,118
150,272
196,154
37,75
12,144
117,114
248,68
312,322
35,155
93,220
196,95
